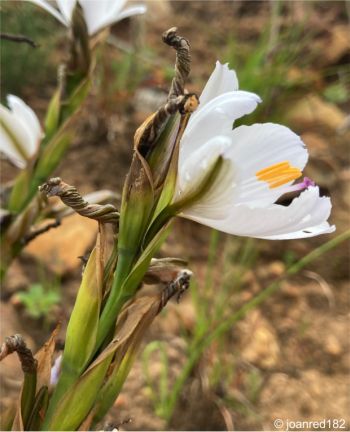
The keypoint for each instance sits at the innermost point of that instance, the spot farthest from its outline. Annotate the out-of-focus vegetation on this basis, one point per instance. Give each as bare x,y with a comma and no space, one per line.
24,68
218,307
339,91
214,298
39,300
42,298
272,67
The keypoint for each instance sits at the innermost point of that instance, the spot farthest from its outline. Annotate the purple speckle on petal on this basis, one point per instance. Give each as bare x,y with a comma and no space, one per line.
304,184
307,182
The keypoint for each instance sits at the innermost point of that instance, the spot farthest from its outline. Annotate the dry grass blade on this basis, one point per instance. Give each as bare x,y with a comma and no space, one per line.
44,359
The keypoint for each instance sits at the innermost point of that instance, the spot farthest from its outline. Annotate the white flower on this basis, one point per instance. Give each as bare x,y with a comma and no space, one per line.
97,13
261,163
20,131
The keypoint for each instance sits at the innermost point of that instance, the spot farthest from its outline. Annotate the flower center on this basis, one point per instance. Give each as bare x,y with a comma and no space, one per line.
278,174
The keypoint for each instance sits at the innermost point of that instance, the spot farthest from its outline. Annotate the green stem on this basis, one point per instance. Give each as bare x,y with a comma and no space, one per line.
7,255
192,360
162,219
39,406
28,395
116,298
213,249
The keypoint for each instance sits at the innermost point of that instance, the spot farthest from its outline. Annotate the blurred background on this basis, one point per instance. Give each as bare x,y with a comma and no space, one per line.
287,358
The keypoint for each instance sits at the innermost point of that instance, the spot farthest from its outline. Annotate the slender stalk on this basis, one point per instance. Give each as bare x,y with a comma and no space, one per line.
18,38
213,249
197,348
192,360
116,298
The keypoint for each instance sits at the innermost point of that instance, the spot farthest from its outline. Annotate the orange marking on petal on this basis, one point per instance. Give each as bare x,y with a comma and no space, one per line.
278,174
272,168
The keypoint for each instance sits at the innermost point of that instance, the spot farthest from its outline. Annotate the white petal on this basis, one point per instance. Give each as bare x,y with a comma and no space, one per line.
12,136
216,202
306,216
100,13
194,169
54,12
216,118
222,80
257,147
29,121
66,7
131,11
322,228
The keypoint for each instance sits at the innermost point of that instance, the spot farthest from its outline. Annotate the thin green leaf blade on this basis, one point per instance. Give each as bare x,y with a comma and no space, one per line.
81,332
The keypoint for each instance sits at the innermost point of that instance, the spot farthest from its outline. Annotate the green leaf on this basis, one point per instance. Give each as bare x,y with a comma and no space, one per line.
169,183
55,143
81,331
75,405
136,211
39,407
136,275
20,190
131,327
82,327
111,389
28,395
53,115
78,400
76,98
137,205
52,155
163,151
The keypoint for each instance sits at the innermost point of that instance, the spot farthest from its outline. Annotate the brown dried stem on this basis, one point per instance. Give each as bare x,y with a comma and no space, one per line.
177,101
16,343
182,63
34,234
106,213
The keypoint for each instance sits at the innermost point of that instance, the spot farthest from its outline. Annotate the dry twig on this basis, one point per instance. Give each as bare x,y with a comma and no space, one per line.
18,39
